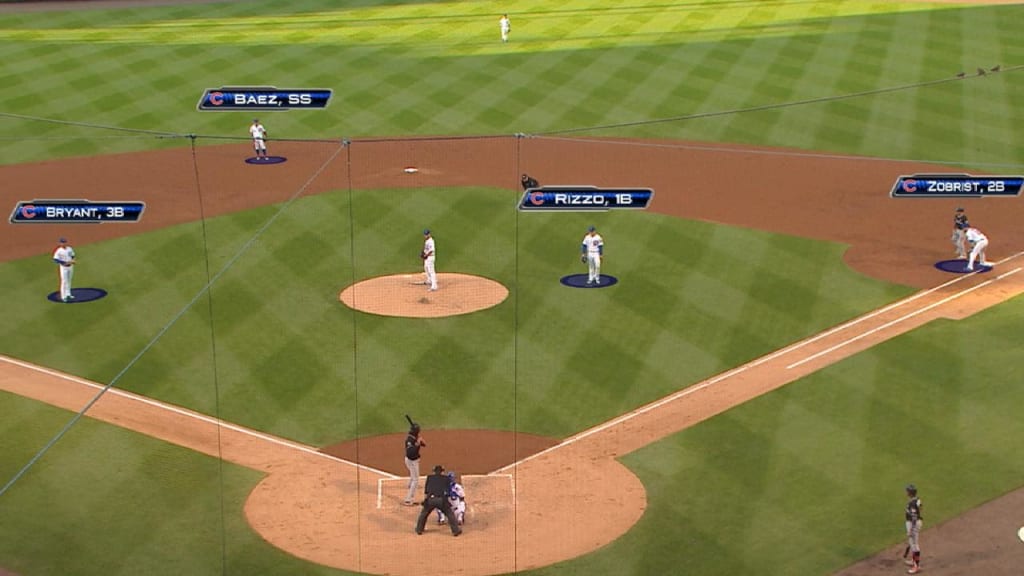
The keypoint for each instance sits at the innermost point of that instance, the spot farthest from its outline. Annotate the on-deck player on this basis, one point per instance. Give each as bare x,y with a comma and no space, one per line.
64,256
428,260
914,519
259,138
591,252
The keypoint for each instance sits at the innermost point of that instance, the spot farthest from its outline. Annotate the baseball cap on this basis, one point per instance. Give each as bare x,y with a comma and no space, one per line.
63,240
591,229
426,231
959,208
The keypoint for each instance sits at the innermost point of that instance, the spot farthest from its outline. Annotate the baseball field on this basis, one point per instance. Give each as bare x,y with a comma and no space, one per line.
779,356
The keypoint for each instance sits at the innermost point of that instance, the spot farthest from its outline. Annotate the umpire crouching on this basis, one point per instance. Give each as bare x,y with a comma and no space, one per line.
436,492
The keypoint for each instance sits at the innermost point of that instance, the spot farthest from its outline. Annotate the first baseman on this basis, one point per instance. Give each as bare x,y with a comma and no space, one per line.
64,256
428,259
914,519
259,138
960,226
591,252
979,243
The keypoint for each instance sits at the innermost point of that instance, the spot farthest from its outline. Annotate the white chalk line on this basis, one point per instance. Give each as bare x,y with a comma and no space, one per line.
745,367
196,416
889,324
381,481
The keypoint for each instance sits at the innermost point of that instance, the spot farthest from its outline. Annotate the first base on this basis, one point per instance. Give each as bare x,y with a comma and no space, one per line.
1020,533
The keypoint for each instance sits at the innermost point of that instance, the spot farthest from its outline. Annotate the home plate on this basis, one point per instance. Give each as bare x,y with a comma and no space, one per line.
411,169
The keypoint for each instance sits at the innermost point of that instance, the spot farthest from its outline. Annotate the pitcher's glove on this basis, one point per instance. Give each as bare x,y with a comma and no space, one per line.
423,255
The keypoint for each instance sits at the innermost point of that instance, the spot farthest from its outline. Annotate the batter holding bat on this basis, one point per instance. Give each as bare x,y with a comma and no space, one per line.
413,443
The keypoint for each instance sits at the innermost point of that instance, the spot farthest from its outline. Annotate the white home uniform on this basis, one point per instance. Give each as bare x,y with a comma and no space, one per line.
64,256
457,499
259,138
979,242
593,249
428,261
506,27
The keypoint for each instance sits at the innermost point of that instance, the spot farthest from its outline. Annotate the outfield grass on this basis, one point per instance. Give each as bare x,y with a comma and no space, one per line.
438,68
817,463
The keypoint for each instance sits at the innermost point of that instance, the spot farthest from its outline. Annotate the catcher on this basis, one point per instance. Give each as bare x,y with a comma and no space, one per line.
959,237
457,500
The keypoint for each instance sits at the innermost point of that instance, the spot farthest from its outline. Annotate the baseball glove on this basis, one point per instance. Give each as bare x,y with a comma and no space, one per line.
583,259
423,255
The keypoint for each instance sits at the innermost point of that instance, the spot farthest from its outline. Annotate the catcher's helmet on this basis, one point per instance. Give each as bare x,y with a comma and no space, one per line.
911,489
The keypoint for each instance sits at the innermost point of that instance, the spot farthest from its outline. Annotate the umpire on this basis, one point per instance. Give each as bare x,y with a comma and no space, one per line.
436,492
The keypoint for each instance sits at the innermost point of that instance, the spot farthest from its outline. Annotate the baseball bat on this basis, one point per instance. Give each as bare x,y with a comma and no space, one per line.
411,423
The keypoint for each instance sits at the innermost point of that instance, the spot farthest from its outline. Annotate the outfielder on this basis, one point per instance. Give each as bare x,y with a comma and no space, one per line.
591,252
506,26
960,226
259,138
979,243
64,256
912,513
457,500
428,260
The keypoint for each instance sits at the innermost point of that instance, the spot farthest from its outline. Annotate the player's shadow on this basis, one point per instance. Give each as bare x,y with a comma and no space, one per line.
580,281
960,267
80,295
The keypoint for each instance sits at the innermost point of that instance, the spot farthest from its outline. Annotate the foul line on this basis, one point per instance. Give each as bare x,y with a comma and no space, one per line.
195,416
900,319
755,363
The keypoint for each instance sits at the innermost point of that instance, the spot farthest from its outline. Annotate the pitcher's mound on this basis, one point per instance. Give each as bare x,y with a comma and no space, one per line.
405,295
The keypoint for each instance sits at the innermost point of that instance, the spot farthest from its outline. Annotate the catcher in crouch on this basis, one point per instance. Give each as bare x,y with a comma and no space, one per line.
457,499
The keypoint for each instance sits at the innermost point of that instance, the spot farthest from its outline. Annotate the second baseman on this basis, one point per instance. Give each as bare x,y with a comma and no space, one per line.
979,243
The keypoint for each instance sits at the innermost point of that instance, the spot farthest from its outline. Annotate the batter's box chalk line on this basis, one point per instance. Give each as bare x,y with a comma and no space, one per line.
395,488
